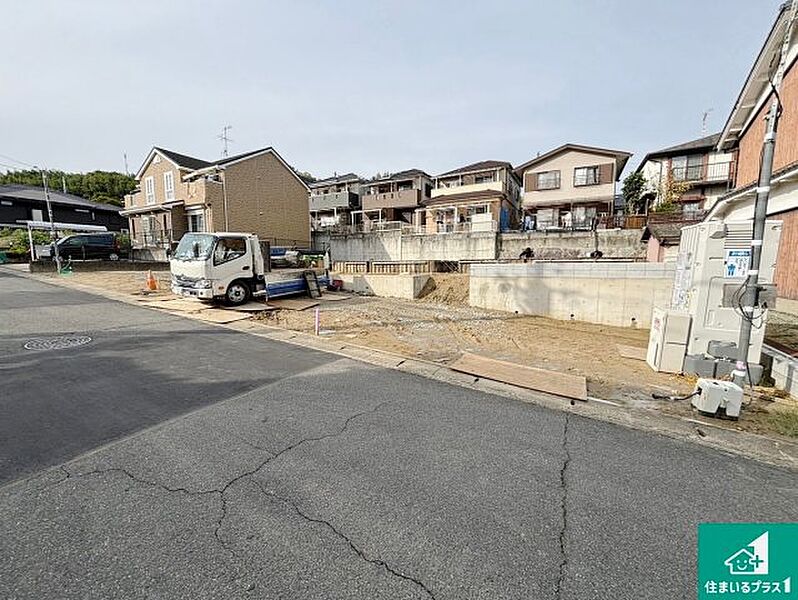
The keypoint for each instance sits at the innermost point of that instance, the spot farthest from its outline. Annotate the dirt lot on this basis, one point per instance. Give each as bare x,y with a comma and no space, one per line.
441,325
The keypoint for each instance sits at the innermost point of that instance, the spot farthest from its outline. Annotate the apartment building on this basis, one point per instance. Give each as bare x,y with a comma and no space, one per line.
332,200
255,192
395,197
483,196
743,134
571,187
698,164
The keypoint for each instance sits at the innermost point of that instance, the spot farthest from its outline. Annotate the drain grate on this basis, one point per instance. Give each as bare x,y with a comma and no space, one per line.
57,343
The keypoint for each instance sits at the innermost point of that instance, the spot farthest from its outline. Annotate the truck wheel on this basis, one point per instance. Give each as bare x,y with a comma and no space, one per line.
237,293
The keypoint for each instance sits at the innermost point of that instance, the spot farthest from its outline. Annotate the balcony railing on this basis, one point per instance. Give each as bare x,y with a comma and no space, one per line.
161,238
718,172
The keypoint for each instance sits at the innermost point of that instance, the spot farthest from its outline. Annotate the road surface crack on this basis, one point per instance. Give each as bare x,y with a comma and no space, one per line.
357,550
221,491
563,508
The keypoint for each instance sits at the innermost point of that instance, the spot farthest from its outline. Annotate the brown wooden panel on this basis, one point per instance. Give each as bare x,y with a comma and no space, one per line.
552,382
605,173
786,276
530,182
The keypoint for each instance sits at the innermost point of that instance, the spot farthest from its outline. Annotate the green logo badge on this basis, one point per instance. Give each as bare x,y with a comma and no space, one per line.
747,560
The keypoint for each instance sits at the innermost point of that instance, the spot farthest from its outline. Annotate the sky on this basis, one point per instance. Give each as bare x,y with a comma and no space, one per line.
366,85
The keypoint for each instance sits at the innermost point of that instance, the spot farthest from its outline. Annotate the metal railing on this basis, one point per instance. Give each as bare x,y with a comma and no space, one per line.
720,171
161,238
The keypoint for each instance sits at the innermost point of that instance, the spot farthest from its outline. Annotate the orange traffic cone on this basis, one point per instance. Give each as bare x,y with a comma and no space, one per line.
152,283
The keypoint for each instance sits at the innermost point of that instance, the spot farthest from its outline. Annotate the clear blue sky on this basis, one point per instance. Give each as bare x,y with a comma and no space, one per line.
366,85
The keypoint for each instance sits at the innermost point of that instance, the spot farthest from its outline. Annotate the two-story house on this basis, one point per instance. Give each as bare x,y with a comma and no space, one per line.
333,199
395,197
743,134
571,186
255,192
484,196
697,165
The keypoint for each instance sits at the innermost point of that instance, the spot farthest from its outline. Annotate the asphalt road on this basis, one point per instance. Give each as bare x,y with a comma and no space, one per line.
168,459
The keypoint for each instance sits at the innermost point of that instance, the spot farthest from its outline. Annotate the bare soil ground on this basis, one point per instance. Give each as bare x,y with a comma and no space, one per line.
440,326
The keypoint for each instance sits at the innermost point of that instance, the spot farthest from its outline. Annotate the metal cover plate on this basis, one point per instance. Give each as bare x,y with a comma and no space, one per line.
57,343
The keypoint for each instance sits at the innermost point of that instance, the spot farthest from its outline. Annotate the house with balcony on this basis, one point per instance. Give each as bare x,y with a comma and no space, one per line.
395,197
255,192
483,196
571,187
706,173
332,200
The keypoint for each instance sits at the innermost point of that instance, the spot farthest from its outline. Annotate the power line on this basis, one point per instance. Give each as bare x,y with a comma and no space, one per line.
23,163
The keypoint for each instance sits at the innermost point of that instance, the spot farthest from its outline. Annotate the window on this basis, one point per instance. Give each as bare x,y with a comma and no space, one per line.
485,178
36,214
688,168
169,185
586,175
149,189
548,180
196,222
228,249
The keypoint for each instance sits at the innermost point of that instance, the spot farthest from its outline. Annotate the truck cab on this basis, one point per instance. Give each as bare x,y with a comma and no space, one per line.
227,266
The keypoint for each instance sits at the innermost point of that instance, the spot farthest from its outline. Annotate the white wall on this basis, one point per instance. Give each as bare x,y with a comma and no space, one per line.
619,294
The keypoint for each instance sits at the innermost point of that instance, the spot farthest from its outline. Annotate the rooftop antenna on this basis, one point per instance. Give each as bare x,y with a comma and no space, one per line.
226,139
704,120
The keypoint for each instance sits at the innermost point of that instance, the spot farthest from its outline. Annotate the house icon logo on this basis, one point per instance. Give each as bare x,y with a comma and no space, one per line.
751,560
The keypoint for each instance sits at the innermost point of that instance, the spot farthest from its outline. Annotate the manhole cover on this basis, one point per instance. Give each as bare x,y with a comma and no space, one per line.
57,343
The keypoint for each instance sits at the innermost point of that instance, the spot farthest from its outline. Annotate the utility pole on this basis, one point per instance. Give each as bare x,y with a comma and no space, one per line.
53,234
63,183
225,139
750,297
124,157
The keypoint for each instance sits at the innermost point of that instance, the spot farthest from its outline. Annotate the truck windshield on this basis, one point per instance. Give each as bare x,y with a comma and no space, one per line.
195,246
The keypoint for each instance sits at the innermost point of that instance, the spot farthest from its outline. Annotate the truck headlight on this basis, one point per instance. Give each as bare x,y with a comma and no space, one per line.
204,284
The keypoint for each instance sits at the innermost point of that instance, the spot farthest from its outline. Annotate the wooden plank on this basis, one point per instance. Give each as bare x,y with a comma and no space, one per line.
543,380
178,304
294,303
217,315
632,352
330,297
253,307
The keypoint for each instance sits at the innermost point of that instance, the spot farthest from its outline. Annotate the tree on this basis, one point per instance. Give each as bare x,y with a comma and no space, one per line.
634,192
669,191
98,186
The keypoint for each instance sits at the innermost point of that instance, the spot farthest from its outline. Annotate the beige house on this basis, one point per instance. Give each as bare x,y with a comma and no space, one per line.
484,196
394,197
571,186
255,192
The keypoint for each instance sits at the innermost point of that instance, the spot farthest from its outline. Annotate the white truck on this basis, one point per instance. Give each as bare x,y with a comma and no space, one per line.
234,267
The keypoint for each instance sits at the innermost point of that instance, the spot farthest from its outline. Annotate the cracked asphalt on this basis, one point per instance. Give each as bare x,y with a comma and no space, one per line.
172,459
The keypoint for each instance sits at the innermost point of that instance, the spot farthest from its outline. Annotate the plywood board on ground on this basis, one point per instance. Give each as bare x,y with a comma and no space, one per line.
543,380
294,303
218,315
251,307
178,304
632,352
329,297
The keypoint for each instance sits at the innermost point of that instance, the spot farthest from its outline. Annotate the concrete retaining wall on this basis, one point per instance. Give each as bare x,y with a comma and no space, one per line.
407,287
395,246
614,243
783,369
620,294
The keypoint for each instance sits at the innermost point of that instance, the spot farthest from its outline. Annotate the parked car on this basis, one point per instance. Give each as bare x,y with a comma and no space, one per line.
88,246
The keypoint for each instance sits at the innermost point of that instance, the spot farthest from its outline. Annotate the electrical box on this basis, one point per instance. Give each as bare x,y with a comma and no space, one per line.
667,341
715,397
712,263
